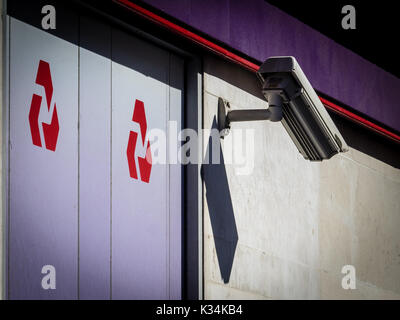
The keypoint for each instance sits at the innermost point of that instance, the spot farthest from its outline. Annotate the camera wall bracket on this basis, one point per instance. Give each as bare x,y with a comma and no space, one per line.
226,117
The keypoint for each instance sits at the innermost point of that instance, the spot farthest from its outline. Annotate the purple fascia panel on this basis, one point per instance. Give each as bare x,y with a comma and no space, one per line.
261,30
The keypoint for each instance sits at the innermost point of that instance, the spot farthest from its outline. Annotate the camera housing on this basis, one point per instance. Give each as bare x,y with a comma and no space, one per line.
303,115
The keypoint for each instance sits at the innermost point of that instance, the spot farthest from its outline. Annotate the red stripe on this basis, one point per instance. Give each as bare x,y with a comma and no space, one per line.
189,35
360,120
245,63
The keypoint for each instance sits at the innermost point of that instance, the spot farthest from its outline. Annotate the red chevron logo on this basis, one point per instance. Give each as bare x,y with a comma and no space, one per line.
50,131
145,163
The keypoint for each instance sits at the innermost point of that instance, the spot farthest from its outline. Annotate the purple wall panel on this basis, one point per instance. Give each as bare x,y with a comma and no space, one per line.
260,30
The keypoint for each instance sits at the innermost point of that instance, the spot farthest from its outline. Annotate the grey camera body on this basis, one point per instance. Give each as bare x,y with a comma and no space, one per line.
303,114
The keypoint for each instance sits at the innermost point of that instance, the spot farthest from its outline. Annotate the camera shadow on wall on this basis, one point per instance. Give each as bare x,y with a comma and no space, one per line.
220,208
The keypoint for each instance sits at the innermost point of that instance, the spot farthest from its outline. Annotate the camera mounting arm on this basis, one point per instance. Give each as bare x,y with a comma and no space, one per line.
273,113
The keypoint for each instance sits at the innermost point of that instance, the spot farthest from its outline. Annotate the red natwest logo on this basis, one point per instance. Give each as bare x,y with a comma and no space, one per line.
145,163
50,131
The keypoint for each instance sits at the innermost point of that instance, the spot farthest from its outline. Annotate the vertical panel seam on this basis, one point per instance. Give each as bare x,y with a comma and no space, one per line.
9,163
168,266
111,105
200,185
79,147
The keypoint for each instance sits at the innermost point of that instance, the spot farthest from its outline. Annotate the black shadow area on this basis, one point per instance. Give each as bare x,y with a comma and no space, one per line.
220,208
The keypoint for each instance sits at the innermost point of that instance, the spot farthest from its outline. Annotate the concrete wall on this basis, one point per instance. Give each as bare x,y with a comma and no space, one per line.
286,230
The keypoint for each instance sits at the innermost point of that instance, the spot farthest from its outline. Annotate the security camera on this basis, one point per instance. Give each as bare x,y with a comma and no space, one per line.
293,101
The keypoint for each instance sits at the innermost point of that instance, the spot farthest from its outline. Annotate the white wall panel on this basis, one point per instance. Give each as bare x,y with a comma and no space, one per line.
140,212
75,205
94,160
43,183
